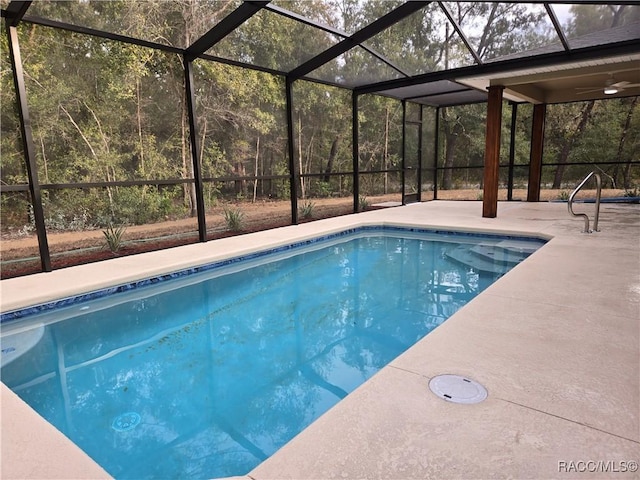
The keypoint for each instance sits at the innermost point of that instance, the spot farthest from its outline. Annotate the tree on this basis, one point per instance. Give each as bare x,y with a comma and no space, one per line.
629,142
584,20
583,118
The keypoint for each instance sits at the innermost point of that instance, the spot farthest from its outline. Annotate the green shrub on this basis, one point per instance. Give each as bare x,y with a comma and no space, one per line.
563,195
322,189
72,222
234,219
139,205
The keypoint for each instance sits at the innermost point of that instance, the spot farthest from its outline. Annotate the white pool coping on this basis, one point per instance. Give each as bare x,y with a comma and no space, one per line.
555,342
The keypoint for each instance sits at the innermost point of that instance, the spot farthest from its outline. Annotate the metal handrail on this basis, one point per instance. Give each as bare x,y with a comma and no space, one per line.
586,217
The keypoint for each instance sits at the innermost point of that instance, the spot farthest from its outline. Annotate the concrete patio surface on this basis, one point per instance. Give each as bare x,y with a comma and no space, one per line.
556,342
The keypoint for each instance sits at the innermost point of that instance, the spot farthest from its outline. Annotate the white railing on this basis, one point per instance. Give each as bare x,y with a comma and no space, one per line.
586,217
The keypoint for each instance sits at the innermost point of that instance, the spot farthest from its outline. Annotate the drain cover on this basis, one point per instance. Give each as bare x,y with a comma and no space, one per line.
457,389
126,421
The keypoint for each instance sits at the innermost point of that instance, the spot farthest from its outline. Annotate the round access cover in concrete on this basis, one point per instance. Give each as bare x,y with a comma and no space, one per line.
457,389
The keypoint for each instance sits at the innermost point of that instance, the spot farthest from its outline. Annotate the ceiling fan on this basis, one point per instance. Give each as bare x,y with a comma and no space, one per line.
611,87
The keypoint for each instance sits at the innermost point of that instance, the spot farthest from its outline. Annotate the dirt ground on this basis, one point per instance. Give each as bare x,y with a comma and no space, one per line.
20,253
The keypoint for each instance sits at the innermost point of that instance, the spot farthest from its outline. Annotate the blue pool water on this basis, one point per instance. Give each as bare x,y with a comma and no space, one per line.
208,374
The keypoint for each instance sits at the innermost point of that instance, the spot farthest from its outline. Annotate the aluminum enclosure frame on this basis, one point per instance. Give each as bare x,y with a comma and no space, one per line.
17,12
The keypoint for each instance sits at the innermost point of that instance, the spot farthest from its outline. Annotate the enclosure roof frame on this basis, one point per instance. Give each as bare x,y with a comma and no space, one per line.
17,11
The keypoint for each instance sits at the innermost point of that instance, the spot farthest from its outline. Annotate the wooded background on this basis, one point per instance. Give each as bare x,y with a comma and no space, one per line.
105,111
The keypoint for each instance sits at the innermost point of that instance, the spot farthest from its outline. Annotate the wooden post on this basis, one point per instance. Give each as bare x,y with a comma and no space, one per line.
492,152
535,156
512,150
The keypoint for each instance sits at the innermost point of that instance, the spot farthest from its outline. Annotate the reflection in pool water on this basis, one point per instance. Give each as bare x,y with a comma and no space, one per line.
209,378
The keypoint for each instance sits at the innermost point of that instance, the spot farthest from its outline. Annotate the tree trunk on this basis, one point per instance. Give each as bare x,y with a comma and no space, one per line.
189,189
309,154
450,146
110,195
569,143
489,27
302,182
255,181
623,138
206,189
44,160
140,136
203,138
333,153
617,14
139,119
446,46
451,134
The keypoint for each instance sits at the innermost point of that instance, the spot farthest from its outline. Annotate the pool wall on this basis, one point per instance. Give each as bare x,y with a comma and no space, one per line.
563,384
289,248
22,292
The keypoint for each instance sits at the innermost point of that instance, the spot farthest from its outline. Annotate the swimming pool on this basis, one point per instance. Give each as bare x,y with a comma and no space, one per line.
210,372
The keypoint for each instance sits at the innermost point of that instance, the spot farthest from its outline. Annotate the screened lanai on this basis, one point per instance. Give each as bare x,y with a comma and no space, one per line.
133,113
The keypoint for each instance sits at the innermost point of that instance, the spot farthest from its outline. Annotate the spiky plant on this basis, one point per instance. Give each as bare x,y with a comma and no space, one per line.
307,209
363,203
113,236
234,219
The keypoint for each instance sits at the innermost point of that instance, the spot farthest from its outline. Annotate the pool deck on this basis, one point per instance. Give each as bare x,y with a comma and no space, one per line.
556,342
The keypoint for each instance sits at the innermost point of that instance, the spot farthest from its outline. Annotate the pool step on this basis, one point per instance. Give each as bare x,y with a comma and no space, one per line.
17,343
497,258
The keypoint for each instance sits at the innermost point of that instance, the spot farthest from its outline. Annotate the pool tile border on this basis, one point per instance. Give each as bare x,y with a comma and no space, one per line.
21,313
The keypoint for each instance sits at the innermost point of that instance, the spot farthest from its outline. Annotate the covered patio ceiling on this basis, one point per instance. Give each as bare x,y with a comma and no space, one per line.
553,83
563,66
571,82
